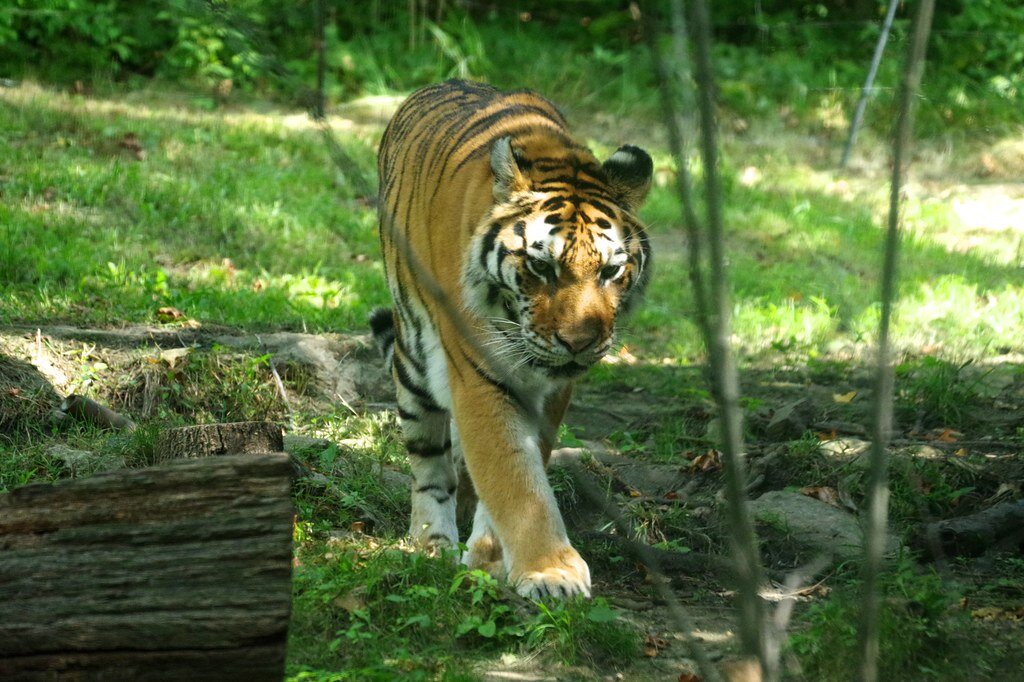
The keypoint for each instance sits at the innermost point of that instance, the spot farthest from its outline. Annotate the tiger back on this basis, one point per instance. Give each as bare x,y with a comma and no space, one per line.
510,253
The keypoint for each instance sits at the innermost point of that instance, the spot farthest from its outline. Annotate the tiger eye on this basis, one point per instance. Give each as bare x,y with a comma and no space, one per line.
611,272
541,269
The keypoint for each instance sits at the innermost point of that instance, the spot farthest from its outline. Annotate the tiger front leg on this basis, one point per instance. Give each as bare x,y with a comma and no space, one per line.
503,456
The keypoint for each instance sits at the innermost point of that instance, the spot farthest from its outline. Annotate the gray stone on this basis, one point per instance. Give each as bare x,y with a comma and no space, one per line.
83,462
814,524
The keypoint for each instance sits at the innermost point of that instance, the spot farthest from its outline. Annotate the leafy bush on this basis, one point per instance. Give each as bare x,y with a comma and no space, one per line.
983,42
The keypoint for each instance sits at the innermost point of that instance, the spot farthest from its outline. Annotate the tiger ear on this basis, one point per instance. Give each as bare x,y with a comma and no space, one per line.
629,172
507,176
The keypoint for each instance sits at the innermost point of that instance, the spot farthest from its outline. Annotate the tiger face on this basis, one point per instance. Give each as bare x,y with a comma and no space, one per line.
560,256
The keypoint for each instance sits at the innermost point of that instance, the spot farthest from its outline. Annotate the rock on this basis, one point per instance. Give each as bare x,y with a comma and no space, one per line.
812,524
713,430
347,368
392,478
843,450
83,462
652,480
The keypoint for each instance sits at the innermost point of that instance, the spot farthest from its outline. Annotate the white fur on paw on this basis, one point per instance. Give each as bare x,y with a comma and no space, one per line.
437,543
561,582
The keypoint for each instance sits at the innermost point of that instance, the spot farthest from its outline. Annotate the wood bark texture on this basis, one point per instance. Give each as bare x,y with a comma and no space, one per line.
207,440
974,534
179,572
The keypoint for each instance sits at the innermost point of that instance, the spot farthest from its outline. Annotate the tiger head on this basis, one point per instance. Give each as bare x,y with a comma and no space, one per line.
560,255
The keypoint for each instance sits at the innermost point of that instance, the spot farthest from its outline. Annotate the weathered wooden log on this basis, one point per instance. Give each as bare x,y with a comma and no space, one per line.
179,572
87,409
974,534
206,440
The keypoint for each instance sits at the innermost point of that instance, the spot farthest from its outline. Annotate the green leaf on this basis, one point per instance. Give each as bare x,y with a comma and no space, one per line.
601,613
487,629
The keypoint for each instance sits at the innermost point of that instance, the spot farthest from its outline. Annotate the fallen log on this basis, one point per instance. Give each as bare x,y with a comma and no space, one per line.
1002,524
179,572
87,409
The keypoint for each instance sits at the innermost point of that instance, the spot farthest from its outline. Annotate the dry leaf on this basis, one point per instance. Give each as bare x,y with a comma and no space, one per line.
169,314
653,645
351,601
709,461
962,452
844,398
358,527
823,493
1005,490
948,436
998,613
622,356
690,677
172,355
131,143
634,493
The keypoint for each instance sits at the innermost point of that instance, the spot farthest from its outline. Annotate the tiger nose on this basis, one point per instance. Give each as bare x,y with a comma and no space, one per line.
580,337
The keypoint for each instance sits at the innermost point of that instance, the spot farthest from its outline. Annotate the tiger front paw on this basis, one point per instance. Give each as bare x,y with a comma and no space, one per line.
565,576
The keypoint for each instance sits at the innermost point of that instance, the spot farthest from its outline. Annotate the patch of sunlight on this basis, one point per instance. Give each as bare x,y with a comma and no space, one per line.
309,290
32,94
58,208
316,291
950,314
760,325
723,637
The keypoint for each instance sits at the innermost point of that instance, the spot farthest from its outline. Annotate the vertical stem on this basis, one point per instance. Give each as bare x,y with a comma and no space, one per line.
866,91
878,490
678,147
319,104
412,24
726,383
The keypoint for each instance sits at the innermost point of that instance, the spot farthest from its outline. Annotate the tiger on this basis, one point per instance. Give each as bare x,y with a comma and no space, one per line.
510,252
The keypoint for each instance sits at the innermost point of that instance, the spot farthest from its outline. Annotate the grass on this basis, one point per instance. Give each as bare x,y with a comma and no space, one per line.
275,244
918,624
373,612
225,220
236,217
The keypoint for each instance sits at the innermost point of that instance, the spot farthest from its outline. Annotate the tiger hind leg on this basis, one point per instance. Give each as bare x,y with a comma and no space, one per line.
425,426
483,548
435,473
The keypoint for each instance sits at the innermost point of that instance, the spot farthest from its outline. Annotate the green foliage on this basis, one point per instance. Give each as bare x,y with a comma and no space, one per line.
984,43
388,612
365,498
220,386
937,392
84,36
919,621
582,631
769,64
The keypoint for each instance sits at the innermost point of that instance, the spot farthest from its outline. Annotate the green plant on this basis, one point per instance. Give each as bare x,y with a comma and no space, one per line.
939,392
583,631
919,621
